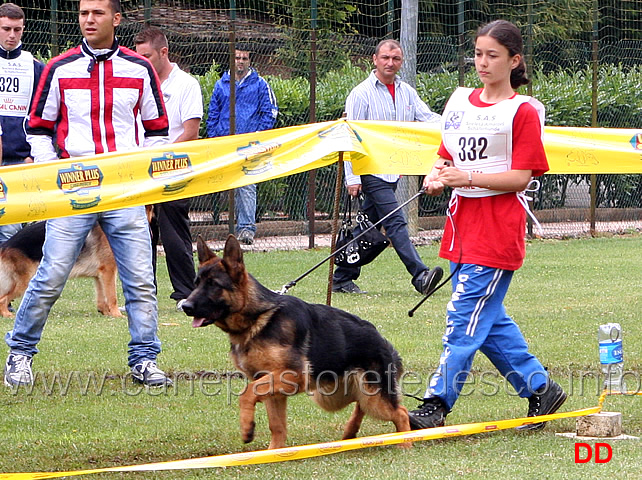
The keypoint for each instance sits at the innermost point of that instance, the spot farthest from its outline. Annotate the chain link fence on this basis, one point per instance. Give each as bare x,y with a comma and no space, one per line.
584,59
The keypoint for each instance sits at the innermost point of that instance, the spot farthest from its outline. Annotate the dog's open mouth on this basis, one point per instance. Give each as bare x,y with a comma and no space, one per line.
198,322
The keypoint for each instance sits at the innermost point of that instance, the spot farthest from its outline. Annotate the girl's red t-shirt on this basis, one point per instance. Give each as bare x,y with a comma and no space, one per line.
490,231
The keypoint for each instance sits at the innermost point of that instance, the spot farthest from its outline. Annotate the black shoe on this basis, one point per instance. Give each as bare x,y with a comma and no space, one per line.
544,401
429,280
430,414
348,287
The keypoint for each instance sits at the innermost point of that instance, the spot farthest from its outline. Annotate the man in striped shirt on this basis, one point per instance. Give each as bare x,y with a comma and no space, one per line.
383,96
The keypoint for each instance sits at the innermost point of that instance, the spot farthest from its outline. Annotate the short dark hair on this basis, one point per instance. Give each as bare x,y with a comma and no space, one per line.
387,41
12,11
508,35
115,5
243,47
152,35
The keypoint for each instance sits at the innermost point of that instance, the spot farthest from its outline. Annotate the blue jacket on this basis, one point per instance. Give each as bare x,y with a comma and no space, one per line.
15,147
256,107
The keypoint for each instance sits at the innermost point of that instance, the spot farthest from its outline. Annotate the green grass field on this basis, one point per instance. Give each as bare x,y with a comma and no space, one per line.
94,417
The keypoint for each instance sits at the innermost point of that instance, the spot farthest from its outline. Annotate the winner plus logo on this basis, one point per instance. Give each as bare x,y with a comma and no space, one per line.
3,192
3,197
171,168
170,164
80,181
257,155
636,141
79,178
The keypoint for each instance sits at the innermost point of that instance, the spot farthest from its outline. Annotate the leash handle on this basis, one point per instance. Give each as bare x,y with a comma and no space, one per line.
292,283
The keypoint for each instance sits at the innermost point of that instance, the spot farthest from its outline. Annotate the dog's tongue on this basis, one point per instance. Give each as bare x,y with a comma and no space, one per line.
197,322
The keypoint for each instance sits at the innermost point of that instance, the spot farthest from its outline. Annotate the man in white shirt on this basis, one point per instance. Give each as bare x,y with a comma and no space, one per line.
184,105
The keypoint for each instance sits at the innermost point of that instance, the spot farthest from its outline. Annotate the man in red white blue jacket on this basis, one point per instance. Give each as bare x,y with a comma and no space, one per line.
87,100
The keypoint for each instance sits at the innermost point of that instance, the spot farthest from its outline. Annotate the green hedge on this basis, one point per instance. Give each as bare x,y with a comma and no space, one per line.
566,96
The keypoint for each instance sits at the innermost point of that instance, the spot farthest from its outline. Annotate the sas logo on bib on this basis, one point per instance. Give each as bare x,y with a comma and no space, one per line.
453,120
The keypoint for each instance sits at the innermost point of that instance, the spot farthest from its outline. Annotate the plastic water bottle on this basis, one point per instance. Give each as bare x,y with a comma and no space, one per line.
609,337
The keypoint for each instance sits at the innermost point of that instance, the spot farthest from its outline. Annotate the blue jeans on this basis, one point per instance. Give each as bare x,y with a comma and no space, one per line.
477,320
127,230
379,201
245,207
8,231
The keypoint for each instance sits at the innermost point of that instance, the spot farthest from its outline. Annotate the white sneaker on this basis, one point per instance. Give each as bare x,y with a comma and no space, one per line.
17,370
179,304
147,373
246,236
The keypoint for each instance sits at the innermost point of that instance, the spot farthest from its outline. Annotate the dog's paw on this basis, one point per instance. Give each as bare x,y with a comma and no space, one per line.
247,434
110,311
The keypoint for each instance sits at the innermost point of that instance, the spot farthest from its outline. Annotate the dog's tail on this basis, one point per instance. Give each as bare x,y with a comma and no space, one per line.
390,373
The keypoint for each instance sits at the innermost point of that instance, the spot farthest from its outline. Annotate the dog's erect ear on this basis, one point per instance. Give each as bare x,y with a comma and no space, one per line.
233,256
204,252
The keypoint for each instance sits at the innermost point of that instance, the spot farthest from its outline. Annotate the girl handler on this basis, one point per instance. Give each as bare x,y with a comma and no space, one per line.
491,148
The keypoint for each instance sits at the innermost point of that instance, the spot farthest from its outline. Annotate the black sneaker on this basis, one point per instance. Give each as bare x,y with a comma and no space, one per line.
348,287
430,414
429,280
17,370
544,401
147,373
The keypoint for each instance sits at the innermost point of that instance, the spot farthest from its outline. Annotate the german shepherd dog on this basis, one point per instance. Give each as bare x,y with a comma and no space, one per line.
286,346
21,254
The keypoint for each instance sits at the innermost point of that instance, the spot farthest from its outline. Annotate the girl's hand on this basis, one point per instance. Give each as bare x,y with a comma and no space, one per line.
432,186
452,176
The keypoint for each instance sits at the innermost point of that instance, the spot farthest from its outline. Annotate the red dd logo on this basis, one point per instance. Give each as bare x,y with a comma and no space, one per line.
584,452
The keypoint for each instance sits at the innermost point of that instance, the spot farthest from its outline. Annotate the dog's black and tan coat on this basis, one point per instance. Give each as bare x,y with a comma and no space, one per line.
287,346
21,254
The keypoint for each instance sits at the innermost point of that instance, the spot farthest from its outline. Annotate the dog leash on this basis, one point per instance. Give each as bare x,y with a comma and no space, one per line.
412,311
292,283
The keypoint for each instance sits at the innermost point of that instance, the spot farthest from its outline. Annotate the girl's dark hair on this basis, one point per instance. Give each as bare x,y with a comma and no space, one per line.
510,37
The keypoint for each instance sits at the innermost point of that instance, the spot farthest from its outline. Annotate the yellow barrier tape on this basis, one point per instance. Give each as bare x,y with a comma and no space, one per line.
321,449
115,180
329,448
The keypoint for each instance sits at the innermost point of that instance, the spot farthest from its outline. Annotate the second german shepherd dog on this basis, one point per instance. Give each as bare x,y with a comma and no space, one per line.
21,254
286,346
